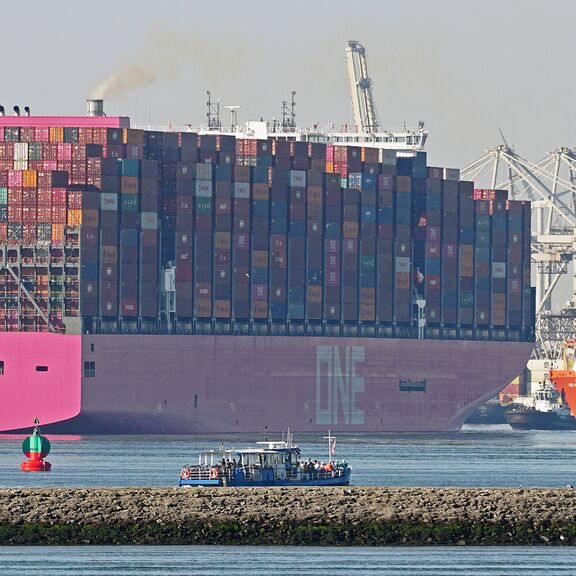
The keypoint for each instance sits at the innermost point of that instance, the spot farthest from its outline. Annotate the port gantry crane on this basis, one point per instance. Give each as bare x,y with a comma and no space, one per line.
551,187
363,107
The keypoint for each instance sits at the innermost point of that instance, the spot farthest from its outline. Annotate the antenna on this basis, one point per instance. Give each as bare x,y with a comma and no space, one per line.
213,114
289,114
233,117
504,139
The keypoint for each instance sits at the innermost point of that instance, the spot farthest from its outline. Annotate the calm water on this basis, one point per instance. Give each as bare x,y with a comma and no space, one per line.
488,456
212,561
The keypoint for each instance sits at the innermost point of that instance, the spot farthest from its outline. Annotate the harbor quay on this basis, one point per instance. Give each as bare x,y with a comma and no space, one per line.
346,516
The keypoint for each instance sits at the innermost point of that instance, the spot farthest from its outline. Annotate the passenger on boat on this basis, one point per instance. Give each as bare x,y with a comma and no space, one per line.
329,467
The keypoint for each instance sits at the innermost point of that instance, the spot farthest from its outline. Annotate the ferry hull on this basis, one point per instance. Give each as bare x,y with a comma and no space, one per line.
227,384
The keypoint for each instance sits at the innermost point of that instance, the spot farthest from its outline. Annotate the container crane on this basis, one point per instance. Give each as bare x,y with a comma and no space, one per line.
363,107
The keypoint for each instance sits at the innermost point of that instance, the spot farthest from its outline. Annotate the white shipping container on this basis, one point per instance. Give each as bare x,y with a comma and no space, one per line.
298,178
149,220
388,157
203,188
451,174
403,264
20,151
498,269
204,171
241,190
109,201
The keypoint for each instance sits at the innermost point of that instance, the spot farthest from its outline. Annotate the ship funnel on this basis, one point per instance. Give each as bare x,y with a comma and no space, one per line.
2,111
95,108
16,110
26,110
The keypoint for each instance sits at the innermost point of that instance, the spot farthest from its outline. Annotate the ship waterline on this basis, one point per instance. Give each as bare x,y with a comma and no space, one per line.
225,384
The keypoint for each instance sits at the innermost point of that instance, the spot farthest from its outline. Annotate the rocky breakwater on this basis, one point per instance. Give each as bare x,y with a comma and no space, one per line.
325,516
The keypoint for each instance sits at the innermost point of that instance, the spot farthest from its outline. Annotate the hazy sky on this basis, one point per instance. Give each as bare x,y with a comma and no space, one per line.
466,68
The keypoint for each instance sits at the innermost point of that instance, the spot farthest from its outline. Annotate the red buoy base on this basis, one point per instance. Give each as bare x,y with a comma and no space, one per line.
35,466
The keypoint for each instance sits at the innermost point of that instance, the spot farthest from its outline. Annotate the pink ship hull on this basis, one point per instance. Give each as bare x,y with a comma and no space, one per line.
223,384
27,391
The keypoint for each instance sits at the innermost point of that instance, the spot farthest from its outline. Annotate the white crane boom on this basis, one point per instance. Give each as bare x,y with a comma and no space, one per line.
363,106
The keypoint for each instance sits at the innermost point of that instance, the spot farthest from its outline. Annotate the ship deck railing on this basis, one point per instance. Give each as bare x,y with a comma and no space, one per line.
201,472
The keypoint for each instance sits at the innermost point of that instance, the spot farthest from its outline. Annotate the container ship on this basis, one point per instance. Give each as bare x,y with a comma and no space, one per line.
204,282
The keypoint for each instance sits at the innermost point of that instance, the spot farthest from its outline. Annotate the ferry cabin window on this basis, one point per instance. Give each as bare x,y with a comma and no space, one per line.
1,367
89,369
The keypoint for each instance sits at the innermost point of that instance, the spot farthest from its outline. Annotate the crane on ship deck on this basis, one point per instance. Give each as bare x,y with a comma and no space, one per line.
363,107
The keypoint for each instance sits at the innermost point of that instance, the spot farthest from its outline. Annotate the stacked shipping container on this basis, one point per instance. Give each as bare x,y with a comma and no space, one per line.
266,236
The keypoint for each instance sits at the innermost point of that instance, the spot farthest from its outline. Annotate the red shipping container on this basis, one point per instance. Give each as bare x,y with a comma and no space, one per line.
59,197
15,178
59,214
28,233
41,134
64,151
15,213
14,196
29,196
29,214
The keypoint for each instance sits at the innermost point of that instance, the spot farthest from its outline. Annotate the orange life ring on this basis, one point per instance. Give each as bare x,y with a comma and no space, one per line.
213,473
185,474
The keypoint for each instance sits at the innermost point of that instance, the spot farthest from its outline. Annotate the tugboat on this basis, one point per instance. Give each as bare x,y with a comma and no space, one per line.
544,409
270,464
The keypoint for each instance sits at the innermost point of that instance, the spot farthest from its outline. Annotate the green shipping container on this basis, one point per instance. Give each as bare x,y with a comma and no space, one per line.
203,205
368,264
130,167
129,202
466,299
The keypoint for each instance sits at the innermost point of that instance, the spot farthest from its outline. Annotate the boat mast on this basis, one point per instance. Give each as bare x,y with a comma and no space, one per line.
330,439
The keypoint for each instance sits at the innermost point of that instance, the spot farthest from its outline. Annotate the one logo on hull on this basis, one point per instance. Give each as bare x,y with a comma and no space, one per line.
338,384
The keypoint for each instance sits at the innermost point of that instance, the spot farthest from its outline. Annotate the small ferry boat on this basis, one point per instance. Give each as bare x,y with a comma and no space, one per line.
269,464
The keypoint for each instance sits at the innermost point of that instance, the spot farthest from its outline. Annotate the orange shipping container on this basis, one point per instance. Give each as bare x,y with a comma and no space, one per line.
367,312
368,296
223,240
314,194
129,185
259,310
57,134
203,308
109,254
29,179
57,233
466,252
133,136
260,258
498,317
315,294
499,301
75,218
466,269
350,229
222,309
91,218
260,191
402,281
